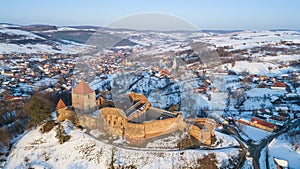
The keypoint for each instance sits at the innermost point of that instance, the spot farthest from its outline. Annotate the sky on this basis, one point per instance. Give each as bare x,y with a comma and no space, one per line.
204,14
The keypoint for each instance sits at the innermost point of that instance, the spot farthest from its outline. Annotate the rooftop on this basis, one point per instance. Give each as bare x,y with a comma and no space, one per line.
279,84
61,104
263,123
82,88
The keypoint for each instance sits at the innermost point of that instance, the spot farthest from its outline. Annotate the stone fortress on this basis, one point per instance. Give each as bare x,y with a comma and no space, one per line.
137,123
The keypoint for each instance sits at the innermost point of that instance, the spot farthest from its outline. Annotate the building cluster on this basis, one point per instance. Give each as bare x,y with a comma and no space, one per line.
277,101
21,75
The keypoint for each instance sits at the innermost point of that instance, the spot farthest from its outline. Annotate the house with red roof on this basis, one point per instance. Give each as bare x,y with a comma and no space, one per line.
164,72
262,124
278,86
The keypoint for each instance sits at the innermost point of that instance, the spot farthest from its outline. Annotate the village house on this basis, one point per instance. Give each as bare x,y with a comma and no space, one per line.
279,86
261,124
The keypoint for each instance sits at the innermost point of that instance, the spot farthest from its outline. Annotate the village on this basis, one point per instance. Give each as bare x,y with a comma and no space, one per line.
144,94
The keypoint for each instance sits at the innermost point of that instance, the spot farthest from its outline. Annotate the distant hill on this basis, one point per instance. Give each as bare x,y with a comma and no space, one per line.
79,36
85,27
221,31
50,38
38,27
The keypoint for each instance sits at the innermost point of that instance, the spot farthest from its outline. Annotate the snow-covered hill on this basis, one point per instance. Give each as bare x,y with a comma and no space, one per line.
16,40
36,150
249,39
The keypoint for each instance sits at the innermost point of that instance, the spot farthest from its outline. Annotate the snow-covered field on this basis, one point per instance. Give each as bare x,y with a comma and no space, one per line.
253,133
265,92
285,58
249,39
283,147
38,150
259,68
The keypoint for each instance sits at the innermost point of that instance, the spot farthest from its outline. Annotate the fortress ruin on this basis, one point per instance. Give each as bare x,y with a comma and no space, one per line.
139,122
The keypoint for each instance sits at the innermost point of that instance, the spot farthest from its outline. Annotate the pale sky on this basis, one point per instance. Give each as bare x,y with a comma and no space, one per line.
205,14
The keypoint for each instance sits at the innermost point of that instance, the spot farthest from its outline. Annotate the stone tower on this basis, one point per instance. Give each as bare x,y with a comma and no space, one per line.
84,98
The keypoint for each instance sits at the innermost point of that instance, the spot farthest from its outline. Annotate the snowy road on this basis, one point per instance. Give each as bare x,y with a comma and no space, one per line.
256,149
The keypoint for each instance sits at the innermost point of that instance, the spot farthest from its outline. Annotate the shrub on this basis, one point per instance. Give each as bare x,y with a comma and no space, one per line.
61,135
5,137
47,126
38,108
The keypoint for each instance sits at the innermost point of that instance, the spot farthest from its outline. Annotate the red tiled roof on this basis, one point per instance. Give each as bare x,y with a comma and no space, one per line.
165,72
243,121
279,84
60,104
82,88
9,98
263,123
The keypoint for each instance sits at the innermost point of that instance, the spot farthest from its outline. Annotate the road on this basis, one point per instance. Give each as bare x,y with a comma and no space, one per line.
254,149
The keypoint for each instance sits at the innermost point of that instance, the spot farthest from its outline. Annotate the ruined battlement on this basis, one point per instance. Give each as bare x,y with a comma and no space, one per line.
141,122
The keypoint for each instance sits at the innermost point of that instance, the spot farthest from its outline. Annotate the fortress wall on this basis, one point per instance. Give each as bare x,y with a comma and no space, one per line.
158,127
209,124
195,132
63,114
114,118
137,132
119,124
206,138
201,135
134,130
89,121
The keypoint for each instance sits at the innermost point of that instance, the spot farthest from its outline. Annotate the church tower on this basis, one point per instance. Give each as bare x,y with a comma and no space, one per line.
174,66
84,98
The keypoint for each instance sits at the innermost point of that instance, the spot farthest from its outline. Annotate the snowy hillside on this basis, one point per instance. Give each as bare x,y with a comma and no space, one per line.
14,40
248,39
36,150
